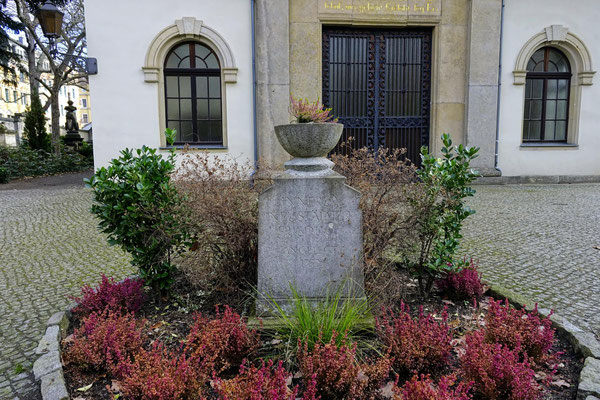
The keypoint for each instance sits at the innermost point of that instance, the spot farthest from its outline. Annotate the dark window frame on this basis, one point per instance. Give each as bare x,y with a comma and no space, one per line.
193,73
545,77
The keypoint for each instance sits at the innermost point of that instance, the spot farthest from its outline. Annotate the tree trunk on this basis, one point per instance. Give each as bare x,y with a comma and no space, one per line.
34,74
55,108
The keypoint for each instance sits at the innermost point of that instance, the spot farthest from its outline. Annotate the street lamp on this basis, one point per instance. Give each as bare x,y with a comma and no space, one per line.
51,19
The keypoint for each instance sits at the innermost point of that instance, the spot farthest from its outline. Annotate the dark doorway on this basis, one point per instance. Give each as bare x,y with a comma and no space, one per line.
378,83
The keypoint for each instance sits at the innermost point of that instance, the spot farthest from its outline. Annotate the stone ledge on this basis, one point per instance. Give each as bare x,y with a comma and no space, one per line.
536,179
589,380
47,369
584,342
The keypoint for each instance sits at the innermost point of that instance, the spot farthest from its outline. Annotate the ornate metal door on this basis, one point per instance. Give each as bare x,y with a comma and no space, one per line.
378,83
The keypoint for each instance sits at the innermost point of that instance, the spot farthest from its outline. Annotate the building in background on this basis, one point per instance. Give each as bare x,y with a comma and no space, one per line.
514,78
15,99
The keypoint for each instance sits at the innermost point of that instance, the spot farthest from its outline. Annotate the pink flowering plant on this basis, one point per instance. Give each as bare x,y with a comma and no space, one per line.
125,296
526,331
416,345
306,112
463,284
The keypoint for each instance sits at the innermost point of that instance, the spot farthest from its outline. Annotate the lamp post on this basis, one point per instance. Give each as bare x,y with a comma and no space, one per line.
51,19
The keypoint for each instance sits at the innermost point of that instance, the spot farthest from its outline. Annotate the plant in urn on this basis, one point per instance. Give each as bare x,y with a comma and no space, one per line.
312,135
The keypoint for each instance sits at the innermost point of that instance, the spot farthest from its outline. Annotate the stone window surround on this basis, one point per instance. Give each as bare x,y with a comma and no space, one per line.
579,56
186,29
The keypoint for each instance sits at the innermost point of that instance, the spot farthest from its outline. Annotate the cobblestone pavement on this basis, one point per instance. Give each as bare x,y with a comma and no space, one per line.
539,241
49,247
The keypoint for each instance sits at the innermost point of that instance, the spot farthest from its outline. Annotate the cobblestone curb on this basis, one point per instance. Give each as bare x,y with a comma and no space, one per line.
584,342
47,369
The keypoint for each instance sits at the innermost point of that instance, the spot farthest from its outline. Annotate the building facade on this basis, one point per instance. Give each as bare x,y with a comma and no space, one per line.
513,77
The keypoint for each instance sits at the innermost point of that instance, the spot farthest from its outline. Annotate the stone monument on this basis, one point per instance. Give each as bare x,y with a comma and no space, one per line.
72,138
309,224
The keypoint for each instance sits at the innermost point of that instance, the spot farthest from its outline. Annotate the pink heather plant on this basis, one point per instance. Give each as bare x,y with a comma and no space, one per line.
519,329
126,296
415,345
222,341
496,371
306,112
106,341
159,374
337,372
423,388
464,284
264,383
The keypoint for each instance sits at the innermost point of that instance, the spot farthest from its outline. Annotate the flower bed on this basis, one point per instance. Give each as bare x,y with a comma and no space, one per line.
188,348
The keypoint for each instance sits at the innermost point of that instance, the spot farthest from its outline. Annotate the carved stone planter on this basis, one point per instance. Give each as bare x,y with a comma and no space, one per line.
309,140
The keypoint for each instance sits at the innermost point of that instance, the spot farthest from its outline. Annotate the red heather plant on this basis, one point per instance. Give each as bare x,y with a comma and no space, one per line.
423,388
415,345
158,374
106,341
252,383
519,329
338,374
126,296
306,112
463,284
496,371
222,341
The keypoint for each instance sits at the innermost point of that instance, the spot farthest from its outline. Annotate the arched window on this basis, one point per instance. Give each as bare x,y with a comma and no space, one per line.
547,90
193,94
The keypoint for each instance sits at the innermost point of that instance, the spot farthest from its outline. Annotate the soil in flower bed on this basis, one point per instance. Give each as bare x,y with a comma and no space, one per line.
169,321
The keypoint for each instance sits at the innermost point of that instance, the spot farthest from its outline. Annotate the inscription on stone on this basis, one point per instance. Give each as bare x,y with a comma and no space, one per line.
310,236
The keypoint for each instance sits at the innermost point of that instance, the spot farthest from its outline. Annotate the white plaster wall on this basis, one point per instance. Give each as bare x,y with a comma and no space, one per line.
524,19
125,107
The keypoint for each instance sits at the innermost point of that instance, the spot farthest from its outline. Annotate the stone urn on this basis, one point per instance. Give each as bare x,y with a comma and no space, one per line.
307,140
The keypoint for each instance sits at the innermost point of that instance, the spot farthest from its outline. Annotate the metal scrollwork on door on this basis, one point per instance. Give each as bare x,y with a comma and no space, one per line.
378,83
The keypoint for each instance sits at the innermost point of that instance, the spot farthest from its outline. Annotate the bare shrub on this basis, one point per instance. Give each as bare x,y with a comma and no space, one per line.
384,178
223,202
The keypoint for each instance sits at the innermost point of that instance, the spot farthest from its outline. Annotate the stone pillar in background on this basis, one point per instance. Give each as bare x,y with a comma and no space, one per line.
309,234
482,82
272,45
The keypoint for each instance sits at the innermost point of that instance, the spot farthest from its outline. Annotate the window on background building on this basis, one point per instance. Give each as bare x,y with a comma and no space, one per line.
15,96
73,91
84,118
193,94
84,103
22,76
6,95
24,99
547,90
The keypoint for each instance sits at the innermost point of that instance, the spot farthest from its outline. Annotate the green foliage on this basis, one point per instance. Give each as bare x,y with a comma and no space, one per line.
335,317
140,210
440,209
20,162
35,125
3,175
86,150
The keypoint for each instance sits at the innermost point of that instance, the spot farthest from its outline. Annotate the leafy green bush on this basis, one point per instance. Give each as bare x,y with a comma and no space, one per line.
140,210
20,162
3,175
438,204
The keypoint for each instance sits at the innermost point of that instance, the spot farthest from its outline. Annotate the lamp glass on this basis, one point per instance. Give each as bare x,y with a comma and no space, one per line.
51,19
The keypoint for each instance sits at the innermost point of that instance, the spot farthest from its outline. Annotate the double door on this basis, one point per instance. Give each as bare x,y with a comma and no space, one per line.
378,83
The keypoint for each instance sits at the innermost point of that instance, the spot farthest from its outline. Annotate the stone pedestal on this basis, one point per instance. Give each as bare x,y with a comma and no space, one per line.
309,235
